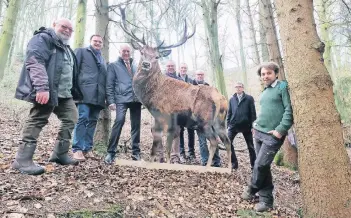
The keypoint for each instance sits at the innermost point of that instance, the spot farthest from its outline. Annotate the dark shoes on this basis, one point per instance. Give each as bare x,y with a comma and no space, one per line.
24,160
247,194
110,158
136,157
60,154
262,207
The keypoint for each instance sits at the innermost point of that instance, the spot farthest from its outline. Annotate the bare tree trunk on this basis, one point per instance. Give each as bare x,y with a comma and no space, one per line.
240,36
324,165
102,20
252,33
7,33
210,17
322,10
271,35
263,38
80,24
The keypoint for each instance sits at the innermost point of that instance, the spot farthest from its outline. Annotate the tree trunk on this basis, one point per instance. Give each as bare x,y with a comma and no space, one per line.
271,35
240,36
80,24
323,162
252,33
102,19
7,33
210,17
322,10
263,38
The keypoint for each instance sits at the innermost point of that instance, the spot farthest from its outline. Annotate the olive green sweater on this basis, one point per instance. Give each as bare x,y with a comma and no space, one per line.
275,111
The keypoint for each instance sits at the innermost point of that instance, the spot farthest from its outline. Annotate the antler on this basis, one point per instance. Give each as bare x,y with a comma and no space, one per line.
124,27
182,41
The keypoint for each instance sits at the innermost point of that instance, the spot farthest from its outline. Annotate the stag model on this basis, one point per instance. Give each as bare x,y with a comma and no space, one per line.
173,102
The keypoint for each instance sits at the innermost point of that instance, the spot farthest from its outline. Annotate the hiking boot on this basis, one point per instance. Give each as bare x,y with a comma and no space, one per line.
192,159
89,154
175,160
24,160
60,153
110,158
247,194
262,206
78,155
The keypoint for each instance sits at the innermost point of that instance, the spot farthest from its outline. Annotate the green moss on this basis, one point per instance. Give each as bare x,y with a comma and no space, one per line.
115,211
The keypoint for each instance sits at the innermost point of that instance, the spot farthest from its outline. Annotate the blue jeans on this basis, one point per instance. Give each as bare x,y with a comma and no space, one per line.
204,153
84,130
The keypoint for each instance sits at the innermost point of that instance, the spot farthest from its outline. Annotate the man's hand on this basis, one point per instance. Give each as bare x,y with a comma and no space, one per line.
112,107
275,133
42,97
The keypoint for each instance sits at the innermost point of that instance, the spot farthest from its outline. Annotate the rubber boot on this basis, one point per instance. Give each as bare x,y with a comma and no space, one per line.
60,153
24,160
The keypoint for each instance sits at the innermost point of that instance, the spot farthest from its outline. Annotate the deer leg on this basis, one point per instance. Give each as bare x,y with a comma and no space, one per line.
224,138
211,136
172,135
157,140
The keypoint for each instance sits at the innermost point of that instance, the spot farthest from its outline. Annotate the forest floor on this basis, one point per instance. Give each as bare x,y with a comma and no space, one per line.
93,189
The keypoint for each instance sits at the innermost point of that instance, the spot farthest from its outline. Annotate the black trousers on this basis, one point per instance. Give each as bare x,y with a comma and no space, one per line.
232,132
266,146
135,119
191,142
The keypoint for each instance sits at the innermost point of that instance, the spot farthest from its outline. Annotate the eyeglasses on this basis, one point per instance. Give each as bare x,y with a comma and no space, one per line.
199,74
67,28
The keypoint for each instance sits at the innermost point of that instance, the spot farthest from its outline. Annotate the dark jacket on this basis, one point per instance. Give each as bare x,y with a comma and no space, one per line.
194,82
187,78
92,77
42,68
241,115
119,87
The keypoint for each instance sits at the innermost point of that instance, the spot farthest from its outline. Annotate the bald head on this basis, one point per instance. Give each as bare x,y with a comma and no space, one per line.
124,52
170,66
63,29
200,75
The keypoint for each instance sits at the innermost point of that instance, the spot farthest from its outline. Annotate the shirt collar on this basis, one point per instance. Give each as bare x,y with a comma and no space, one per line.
273,84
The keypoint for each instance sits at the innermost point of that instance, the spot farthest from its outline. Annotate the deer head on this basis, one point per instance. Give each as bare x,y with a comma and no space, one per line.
149,54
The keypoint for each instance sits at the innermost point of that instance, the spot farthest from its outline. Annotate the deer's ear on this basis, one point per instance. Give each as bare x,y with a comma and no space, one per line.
165,53
135,45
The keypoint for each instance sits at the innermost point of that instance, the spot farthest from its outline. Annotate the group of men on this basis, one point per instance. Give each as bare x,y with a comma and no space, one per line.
76,86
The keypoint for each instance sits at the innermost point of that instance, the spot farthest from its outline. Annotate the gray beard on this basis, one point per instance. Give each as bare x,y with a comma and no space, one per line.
63,38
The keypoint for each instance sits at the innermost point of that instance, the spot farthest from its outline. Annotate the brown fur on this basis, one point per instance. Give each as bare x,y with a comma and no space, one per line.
167,98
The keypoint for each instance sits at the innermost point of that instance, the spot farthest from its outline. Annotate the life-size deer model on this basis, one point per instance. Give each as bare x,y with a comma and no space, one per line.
173,102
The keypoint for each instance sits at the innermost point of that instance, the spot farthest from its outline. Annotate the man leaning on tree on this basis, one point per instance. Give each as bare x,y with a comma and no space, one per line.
269,129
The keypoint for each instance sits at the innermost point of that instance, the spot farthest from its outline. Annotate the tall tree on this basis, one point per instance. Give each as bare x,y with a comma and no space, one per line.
323,162
271,35
210,17
80,24
101,28
252,32
263,37
7,33
241,43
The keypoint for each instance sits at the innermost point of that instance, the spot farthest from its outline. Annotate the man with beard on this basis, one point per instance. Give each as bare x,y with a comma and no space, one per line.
269,129
48,80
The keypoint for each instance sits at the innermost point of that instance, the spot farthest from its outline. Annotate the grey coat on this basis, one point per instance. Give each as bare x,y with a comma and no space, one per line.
92,77
119,87
42,68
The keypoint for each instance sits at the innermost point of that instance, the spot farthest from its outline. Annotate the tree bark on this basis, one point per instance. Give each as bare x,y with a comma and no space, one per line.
323,162
263,38
102,20
252,33
7,33
271,35
80,24
241,43
210,17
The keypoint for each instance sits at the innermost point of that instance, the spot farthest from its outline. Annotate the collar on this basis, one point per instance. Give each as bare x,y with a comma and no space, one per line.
273,84
97,52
